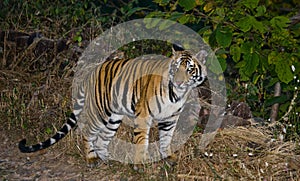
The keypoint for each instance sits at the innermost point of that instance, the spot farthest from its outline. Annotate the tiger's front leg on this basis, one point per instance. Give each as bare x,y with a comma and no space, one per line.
141,139
166,130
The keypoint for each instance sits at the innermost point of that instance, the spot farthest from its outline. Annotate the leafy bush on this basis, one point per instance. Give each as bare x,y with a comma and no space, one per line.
256,45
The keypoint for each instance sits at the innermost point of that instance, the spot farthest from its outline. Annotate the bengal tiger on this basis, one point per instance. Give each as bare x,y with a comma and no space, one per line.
146,90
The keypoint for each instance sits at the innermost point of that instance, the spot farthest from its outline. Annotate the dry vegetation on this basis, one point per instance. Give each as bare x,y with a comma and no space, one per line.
35,89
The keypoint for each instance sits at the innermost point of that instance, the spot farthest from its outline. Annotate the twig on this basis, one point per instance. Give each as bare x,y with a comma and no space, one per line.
274,111
293,102
217,176
192,177
4,49
25,53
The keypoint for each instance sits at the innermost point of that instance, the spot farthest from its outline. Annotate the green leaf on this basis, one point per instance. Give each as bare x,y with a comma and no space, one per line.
247,47
221,52
224,36
251,4
187,4
248,66
223,64
235,51
206,35
77,38
216,65
48,131
166,24
175,16
245,24
261,10
280,22
134,10
240,64
183,19
220,12
212,39
272,82
274,100
258,26
155,14
256,78
204,29
265,66
252,61
283,70
151,23
243,76
272,57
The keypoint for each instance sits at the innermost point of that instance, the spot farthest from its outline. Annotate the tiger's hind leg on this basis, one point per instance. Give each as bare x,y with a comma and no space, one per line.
91,157
98,137
166,130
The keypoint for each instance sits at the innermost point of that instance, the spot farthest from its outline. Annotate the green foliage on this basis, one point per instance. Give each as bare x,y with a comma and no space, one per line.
254,42
187,4
224,36
246,28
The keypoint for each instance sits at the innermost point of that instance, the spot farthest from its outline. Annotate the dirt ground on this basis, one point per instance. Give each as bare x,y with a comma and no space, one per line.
232,156
55,164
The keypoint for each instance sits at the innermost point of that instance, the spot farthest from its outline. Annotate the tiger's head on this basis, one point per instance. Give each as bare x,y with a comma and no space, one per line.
187,70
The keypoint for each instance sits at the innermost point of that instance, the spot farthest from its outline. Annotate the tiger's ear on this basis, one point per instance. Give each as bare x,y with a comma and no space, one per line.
201,56
176,47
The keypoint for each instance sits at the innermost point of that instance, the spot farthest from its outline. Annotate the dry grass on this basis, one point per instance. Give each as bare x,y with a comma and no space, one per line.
243,153
235,154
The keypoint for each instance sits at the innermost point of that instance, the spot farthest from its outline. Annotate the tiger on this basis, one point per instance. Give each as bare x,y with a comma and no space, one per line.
145,90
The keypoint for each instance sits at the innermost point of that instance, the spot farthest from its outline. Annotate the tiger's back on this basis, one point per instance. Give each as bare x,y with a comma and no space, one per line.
135,80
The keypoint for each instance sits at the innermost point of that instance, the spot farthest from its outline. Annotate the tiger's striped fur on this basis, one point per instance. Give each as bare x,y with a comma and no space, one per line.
144,89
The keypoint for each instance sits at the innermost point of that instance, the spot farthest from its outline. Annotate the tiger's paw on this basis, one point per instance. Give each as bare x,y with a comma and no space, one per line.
93,160
171,160
139,168
140,162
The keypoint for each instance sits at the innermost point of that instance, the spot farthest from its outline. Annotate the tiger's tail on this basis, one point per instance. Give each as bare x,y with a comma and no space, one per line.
65,129
71,122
